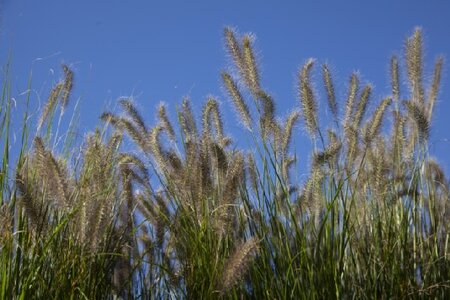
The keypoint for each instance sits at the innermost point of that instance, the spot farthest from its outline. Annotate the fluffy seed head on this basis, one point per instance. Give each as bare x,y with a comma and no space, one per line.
414,61
51,102
434,90
237,265
362,106
237,99
418,114
251,69
395,78
67,86
164,120
288,129
353,90
376,121
307,98
329,86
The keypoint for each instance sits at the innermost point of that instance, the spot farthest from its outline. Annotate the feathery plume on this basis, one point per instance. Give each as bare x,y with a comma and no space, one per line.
67,86
434,87
187,120
395,81
156,147
51,102
321,158
237,265
234,49
251,70
329,86
414,61
164,120
353,90
288,129
26,200
375,122
252,172
362,106
134,114
307,98
211,111
417,113
398,135
238,100
268,113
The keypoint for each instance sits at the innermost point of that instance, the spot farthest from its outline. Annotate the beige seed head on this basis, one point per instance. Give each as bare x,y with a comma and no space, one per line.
329,86
288,130
434,90
237,265
135,116
238,100
376,121
164,120
414,62
418,114
353,90
234,49
307,98
251,70
395,79
362,106
51,102
211,115
67,86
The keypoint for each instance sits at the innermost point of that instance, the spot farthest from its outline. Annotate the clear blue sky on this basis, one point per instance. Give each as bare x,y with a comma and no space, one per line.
164,50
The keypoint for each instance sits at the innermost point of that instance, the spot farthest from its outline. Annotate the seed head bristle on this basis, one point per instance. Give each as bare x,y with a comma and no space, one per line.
436,172
113,144
234,49
32,210
211,111
307,98
321,158
434,90
414,61
238,100
67,86
329,86
418,114
136,135
237,264
252,172
251,69
362,106
395,81
187,120
109,117
133,161
51,102
164,120
376,121
134,114
353,90
268,114
288,130
156,147
398,135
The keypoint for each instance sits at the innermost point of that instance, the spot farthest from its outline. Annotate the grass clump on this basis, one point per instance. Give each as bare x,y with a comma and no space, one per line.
188,214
